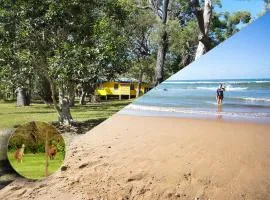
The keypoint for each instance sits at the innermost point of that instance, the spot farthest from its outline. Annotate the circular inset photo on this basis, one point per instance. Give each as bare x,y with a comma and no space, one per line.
36,150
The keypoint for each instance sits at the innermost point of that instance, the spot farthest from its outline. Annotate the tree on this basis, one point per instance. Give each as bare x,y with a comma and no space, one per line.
163,43
224,25
54,47
139,31
203,16
66,43
43,89
14,60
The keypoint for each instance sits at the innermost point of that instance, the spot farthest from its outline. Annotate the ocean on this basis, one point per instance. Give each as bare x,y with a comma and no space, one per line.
244,99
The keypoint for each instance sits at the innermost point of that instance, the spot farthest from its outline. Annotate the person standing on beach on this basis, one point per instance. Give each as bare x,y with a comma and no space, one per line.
220,94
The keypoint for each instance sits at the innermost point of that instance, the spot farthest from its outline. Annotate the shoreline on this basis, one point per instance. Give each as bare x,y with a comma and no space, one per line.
186,113
205,119
130,157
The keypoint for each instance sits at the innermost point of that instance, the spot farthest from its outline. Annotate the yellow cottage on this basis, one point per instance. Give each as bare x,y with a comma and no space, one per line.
122,88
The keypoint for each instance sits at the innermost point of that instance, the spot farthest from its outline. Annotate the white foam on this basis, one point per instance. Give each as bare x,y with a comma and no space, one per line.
210,82
230,88
190,111
206,88
227,88
262,81
187,82
255,99
211,102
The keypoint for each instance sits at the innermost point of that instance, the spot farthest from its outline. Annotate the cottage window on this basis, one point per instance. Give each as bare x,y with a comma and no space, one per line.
132,87
116,86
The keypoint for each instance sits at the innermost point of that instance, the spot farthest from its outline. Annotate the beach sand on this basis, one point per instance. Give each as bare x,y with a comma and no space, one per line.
129,157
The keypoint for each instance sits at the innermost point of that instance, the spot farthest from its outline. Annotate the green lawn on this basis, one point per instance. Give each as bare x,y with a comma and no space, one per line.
33,165
11,115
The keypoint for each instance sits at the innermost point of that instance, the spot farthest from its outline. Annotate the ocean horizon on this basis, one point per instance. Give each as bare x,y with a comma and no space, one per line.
244,100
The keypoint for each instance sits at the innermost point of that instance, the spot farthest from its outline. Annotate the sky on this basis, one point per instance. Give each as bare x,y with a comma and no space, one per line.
245,55
255,7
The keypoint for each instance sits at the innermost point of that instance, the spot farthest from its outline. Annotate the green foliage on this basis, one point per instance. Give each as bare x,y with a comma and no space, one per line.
183,31
226,24
81,42
68,41
141,33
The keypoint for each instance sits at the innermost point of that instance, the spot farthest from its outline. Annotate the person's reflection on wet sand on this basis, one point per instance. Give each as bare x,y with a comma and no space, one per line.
219,112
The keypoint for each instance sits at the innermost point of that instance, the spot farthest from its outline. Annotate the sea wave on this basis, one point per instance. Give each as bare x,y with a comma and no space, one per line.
228,88
255,99
262,81
215,82
187,82
178,110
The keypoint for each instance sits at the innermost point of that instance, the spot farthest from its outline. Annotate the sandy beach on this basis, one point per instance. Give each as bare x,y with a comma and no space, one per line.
129,157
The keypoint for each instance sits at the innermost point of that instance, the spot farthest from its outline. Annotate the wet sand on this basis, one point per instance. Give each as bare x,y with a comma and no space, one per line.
129,157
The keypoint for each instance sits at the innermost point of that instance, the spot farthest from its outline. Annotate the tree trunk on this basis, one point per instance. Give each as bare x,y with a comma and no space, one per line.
63,109
163,45
204,19
65,115
91,92
162,50
44,90
28,97
82,97
71,90
94,98
61,94
23,98
14,95
85,88
138,92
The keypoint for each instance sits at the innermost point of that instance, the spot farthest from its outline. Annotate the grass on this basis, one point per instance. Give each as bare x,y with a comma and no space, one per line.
11,115
33,165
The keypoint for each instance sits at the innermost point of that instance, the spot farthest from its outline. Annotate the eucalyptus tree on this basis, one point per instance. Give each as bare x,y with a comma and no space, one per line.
215,27
162,12
225,24
203,15
160,8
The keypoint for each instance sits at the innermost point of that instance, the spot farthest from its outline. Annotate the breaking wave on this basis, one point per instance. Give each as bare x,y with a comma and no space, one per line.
228,88
255,99
135,107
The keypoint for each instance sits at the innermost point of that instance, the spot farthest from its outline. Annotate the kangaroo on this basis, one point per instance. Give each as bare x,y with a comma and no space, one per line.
19,154
52,151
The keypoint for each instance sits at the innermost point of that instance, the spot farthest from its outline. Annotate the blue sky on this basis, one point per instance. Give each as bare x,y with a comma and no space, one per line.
245,55
253,6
